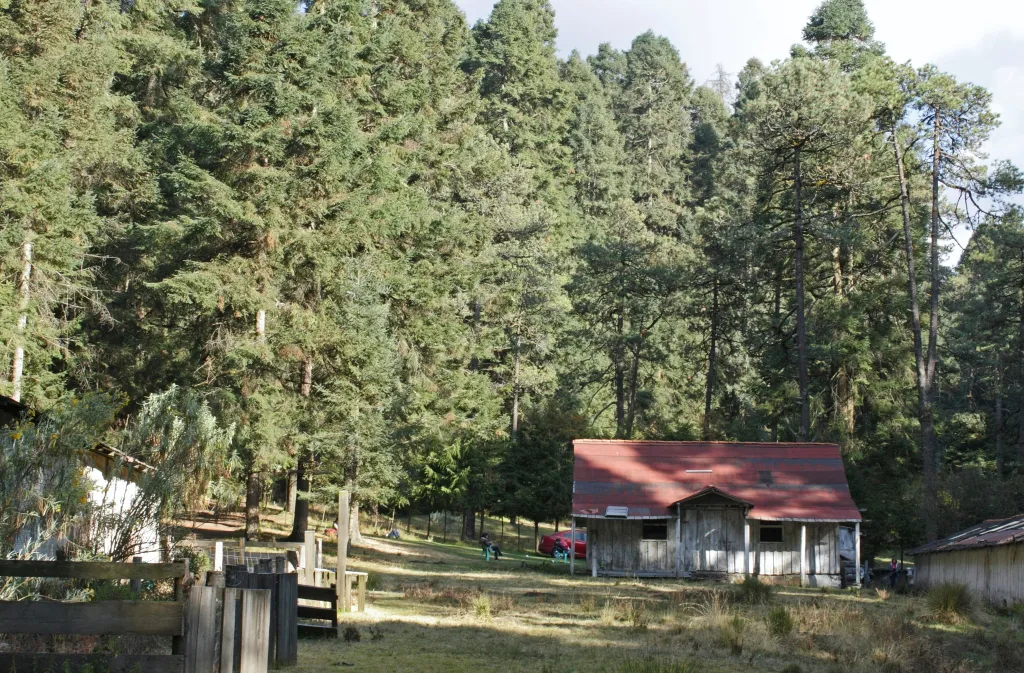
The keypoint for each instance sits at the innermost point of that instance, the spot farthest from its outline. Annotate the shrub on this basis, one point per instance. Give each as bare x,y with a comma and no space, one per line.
732,634
482,606
373,582
608,613
107,590
949,603
198,560
754,591
780,622
637,616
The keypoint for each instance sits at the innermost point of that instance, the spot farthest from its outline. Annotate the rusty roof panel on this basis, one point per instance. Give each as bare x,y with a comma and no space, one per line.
781,481
991,533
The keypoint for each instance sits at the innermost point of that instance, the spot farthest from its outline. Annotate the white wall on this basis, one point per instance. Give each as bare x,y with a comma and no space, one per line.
116,495
994,574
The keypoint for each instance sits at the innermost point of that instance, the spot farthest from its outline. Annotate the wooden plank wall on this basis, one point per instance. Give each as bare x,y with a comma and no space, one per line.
783,558
713,539
995,574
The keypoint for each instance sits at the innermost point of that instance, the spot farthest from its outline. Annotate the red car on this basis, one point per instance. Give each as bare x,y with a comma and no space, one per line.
547,543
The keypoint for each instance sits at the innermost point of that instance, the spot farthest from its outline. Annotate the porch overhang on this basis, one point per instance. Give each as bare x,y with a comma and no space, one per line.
711,490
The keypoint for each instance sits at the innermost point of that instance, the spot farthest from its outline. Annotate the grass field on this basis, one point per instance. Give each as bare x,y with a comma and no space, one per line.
441,608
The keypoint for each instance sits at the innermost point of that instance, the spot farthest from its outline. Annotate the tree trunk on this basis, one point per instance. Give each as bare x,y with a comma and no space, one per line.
355,534
18,368
634,375
924,413
929,444
515,391
252,505
300,519
291,491
801,324
844,402
469,519
430,515
620,383
536,530
482,530
712,361
999,425
1020,360
444,536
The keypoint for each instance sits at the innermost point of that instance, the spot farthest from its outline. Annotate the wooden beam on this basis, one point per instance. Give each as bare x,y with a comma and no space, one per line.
679,538
803,554
75,663
127,618
746,546
218,556
856,544
230,624
93,570
572,545
361,600
310,550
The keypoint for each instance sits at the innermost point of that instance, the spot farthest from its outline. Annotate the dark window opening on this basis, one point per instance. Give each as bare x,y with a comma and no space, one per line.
771,533
654,530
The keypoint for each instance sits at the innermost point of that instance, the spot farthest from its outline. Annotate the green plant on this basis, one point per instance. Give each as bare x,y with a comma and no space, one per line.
949,603
780,622
637,615
198,560
373,582
732,634
482,606
754,591
107,590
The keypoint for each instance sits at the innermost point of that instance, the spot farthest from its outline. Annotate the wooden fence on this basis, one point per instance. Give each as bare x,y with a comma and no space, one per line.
138,618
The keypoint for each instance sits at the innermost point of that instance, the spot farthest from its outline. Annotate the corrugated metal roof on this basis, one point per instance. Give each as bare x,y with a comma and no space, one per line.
782,481
991,533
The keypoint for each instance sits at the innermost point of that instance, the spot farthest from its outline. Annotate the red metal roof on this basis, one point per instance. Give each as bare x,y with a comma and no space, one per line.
782,481
991,533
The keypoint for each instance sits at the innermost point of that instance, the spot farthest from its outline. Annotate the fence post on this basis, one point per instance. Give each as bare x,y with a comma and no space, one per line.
287,618
201,630
340,579
218,555
241,551
309,549
136,585
229,626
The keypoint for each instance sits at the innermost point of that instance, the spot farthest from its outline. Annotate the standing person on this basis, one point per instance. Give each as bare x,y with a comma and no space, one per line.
894,573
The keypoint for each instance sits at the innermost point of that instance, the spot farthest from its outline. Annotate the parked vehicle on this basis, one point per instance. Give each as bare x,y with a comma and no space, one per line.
547,543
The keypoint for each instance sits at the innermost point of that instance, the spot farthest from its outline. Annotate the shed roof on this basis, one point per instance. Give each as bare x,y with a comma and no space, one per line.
991,533
781,481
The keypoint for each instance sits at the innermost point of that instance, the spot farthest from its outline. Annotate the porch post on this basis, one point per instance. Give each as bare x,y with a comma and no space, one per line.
803,554
856,543
592,547
679,536
572,547
746,546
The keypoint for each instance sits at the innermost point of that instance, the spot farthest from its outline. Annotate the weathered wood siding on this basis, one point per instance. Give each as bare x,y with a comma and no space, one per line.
713,539
619,549
783,558
995,574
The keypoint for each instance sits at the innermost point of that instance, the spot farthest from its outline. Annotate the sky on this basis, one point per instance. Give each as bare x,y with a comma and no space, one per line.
981,41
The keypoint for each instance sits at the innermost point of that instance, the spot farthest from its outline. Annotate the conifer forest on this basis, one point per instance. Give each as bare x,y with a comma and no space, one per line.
372,246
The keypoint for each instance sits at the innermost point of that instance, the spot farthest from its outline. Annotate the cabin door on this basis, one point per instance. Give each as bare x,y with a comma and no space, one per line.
718,539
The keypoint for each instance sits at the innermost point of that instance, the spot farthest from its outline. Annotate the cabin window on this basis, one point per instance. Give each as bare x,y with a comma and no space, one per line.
771,533
654,530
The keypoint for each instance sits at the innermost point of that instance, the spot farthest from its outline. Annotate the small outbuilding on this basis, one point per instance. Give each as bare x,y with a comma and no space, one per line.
988,558
715,509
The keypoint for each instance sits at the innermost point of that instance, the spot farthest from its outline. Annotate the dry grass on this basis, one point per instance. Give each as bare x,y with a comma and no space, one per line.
442,609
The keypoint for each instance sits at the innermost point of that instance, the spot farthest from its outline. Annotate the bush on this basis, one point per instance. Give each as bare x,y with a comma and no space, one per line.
482,606
198,560
949,603
754,591
373,582
636,615
732,634
780,622
110,590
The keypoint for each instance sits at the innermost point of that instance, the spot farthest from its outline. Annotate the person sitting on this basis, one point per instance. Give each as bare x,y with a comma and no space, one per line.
394,534
561,548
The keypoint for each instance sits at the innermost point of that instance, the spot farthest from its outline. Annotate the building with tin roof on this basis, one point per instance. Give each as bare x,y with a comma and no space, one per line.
691,509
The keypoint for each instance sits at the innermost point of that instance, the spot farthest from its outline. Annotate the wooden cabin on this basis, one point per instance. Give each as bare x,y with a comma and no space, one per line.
715,509
988,558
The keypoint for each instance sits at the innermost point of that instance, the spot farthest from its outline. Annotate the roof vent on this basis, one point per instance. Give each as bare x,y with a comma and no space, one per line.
614,512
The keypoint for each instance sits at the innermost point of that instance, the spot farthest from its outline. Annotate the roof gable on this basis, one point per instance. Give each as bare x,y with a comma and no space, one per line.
781,481
991,533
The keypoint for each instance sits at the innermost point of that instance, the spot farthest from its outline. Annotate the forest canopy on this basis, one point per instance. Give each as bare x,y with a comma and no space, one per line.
414,258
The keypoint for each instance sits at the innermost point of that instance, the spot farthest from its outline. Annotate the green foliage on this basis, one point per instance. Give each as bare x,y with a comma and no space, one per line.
651,664
779,621
949,603
754,591
198,560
